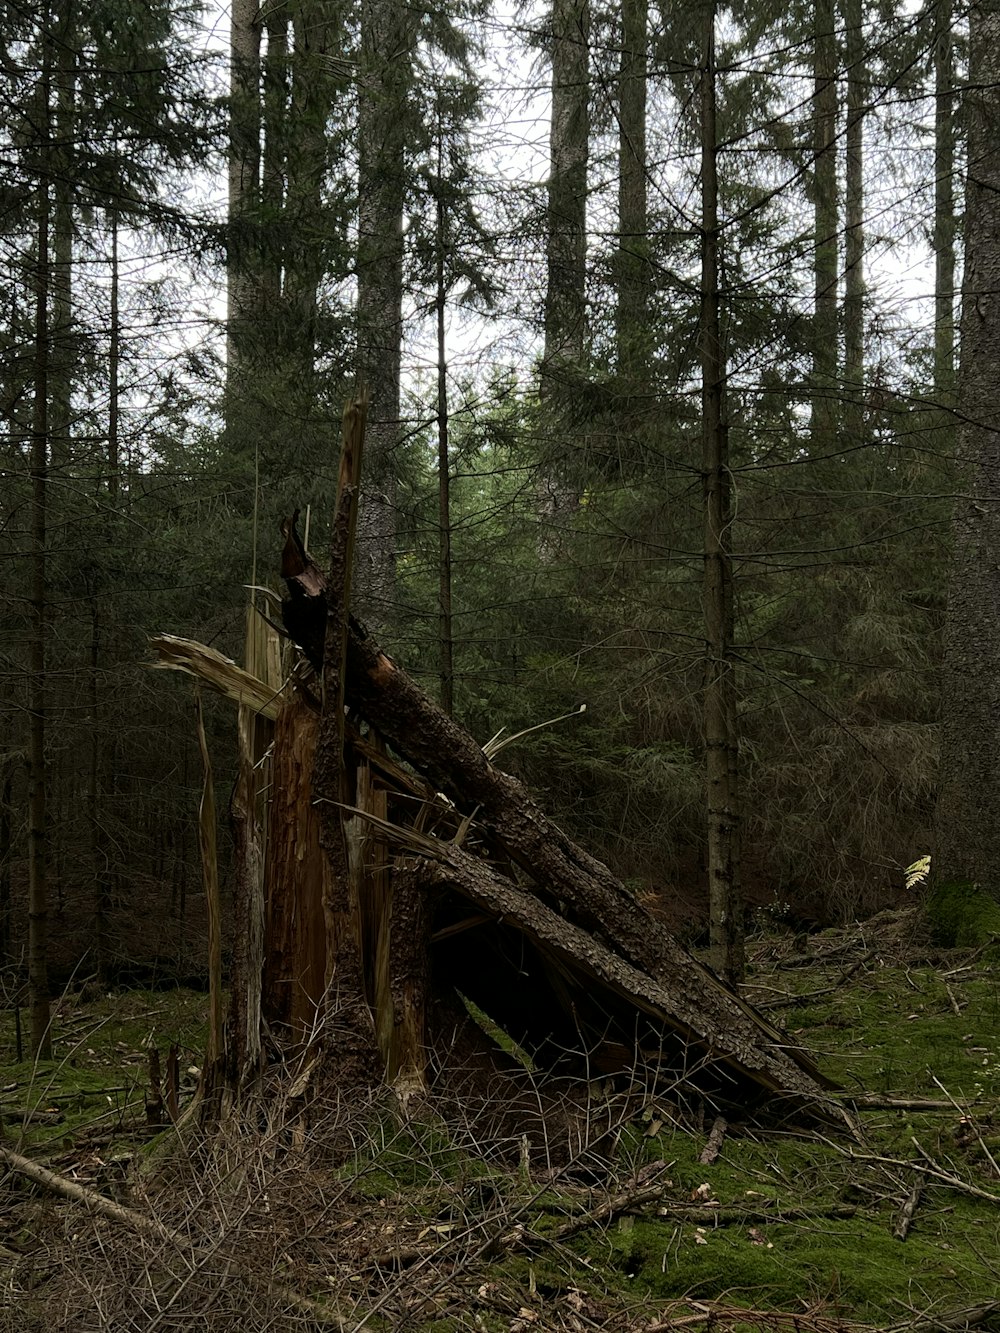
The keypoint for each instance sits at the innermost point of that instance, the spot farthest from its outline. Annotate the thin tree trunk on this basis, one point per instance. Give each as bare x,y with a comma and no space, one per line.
61,355
632,331
944,205
6,850
210,1088
566,238
278,122
823,416
854,239
564,351
445,633
719,695
38,976
249,823
98,860
317,41
114,368
243,181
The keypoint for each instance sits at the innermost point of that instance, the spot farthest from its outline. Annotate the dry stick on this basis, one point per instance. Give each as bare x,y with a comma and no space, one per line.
519,1234
146,1226
905,1219
711,1149
714,1314
682,1212
932,1170
971,958
874,1103
970,1317
618,1203
788,1000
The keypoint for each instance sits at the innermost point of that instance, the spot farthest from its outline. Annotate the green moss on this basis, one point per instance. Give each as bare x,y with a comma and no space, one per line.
855,1266
962,916
101,1065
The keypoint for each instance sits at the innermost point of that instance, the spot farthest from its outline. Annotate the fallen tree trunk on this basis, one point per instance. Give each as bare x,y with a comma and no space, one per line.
582,890
709,1022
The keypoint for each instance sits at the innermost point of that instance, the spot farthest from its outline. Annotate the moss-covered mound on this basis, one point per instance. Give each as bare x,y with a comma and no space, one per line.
962,916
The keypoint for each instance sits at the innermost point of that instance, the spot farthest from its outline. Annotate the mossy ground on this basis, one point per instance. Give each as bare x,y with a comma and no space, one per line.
786,1222
963,916
94,1086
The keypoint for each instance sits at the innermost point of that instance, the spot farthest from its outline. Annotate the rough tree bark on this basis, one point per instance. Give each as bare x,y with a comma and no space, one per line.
352,1056
632,328
824,388
566,227
968,812
384,78
944,204
255,789
446,641
854,235
244,183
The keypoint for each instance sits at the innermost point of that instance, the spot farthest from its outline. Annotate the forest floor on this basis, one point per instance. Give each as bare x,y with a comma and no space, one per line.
414,1227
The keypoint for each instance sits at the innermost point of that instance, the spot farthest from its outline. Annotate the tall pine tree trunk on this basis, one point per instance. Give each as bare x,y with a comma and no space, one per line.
38,856
565,322
944,205
854,236
566,227
317,41
276,131
824,389
968,813
719,693
384,76
632,330
243,183
446,641
114,366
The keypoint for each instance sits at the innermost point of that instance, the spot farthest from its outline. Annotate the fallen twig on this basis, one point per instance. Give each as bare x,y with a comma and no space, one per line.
717,1315
969,1317
874,1103
929,1168
711,1149
905,1219
789,1000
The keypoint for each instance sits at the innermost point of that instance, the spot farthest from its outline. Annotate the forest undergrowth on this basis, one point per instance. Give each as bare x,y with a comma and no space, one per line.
674,1219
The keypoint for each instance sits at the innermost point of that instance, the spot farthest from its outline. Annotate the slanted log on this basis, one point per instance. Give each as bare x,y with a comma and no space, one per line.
685,998
584,891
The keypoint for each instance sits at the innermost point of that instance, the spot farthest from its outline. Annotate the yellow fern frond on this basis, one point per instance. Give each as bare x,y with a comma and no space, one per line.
917,873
